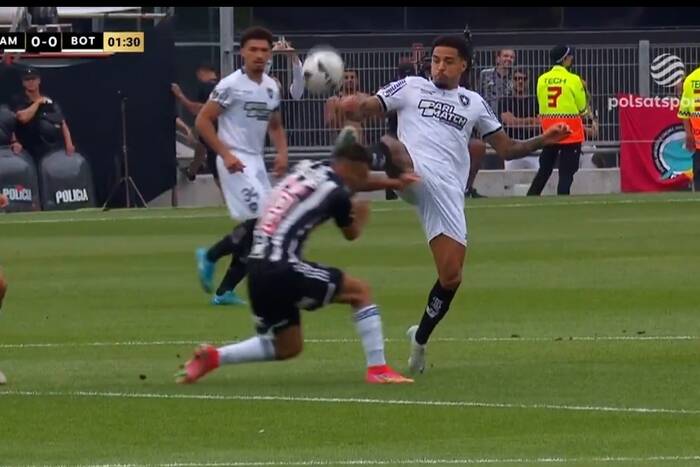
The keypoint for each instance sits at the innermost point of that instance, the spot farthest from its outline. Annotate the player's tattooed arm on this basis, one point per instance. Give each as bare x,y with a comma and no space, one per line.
205,127
360,107
510,149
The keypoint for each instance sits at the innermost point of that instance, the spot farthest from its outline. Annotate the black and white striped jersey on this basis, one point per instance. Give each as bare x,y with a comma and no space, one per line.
309,196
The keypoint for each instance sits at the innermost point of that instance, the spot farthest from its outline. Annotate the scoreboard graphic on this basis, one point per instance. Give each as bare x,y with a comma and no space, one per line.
71,42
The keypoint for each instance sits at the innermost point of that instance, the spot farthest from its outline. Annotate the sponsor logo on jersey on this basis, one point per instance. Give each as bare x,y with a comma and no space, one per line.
442,111
392,88
427,91
76,195
257,110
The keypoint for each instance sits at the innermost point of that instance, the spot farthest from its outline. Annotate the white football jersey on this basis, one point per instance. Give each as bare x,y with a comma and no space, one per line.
246,106
435,125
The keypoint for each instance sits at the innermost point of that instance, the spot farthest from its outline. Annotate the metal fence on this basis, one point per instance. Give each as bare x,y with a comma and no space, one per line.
607,70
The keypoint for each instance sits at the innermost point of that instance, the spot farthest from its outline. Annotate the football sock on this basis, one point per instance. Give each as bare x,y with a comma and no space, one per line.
255,349
234,274
368,323
438,303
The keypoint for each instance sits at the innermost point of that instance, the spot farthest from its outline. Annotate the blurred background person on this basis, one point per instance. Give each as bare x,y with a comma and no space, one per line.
518,113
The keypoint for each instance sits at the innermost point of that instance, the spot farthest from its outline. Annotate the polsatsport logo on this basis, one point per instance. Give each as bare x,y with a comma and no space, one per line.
669,154
667,70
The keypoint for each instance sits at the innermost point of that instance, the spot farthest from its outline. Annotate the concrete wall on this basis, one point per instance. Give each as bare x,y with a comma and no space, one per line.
496,183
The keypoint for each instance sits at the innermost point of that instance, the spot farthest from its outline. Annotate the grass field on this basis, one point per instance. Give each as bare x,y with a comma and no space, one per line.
574,340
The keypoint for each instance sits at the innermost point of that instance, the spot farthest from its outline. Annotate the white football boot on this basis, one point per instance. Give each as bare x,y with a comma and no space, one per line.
416,360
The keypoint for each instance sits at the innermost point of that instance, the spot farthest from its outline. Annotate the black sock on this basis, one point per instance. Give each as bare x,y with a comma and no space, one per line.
438,303
234,274
223,247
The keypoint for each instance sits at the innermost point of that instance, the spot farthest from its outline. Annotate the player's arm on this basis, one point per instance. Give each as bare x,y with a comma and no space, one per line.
358,217
207,131
382,182
360,107
510,149
278,136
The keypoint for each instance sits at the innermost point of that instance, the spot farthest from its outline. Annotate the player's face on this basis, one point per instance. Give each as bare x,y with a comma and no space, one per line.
256,53
447,67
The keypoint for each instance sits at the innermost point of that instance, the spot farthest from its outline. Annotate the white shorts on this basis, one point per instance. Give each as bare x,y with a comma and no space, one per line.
244,192
526,163
440,207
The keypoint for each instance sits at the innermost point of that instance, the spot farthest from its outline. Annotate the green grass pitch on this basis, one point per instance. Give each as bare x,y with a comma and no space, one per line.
573,340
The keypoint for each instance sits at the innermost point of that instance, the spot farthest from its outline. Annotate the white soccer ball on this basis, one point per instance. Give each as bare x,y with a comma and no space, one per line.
323,71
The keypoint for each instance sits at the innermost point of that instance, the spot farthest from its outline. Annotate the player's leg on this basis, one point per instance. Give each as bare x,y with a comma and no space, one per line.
243,193
547,159
368,323
477,152
241,240
391,156
272,296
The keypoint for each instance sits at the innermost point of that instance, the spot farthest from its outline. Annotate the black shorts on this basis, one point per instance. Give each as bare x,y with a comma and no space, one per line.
279,290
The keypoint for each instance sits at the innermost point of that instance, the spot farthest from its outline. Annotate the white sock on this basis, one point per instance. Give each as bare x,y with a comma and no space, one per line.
369,327
255,349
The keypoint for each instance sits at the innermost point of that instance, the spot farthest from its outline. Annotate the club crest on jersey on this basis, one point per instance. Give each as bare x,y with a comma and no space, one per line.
464,100
392,88
257,110
270,92
442,111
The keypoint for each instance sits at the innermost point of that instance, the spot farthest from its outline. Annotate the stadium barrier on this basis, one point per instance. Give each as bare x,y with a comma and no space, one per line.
18,181
66,182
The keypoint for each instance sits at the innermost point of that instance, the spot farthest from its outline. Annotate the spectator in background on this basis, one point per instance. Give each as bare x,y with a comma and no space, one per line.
207,77
334,116
41,124
497,82
8,124
518,113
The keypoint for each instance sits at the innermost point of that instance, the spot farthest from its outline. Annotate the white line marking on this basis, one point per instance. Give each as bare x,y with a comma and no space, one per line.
352,400
418,461
399,207
353,341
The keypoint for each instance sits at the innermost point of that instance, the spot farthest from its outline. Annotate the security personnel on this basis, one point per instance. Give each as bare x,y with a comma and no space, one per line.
689,112
561,96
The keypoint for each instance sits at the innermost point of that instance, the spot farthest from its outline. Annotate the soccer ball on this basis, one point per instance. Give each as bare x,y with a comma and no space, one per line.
323,71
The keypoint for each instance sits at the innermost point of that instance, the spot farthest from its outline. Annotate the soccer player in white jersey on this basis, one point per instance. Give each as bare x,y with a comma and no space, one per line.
246,106
435,121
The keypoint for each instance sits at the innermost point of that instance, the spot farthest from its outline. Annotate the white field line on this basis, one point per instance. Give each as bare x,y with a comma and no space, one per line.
417,461
400,207
352,341
350,400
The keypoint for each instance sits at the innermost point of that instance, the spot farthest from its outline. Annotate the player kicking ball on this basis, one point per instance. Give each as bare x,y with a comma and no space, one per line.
435,121
281,281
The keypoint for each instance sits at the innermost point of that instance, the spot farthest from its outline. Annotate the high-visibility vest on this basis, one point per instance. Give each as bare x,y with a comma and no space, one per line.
561,96
690,104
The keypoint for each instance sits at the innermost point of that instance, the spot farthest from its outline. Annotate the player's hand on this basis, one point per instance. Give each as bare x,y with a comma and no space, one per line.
280,167
350,105
70,149
556,133
4,201
233,164
177,91
407,178
16,147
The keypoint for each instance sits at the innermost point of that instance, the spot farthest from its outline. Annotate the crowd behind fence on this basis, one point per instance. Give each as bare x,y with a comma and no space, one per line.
607,70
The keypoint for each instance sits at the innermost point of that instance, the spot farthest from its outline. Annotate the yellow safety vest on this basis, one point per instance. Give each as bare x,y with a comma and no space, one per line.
690,104
562,99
